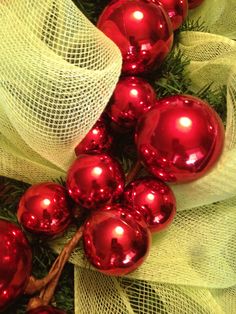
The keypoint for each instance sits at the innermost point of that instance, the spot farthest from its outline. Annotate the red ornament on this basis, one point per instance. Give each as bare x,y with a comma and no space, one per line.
176,9
15,263
44,209
93,180
141,30
115,241
47,309
154,200
192,4
132,97
180,139
96,141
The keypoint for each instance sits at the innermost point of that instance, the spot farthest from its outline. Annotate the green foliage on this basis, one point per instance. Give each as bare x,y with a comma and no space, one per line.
170,79
194,25
217,99
92,9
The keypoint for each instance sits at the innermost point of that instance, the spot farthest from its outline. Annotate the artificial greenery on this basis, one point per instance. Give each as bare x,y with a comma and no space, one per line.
171,78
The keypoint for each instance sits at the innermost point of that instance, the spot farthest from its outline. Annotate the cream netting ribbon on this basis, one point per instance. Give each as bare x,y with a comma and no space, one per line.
57,72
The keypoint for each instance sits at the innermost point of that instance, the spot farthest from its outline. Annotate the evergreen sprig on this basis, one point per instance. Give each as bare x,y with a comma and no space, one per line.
194,25
170,79
91,9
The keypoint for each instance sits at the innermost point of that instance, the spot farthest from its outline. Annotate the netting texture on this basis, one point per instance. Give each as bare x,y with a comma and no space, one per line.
57,72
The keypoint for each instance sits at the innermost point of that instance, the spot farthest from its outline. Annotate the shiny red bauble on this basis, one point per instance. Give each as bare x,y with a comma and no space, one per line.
180,139
192,4
132,97
154,200
44,209
141,30
15,263
93,180
97,140
115,241
176,9
47,309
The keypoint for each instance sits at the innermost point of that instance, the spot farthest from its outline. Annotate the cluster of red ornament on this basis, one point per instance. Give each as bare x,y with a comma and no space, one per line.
143,30
116,234
178,139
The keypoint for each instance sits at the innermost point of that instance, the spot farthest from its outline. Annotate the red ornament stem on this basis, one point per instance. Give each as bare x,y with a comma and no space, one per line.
51,280
133,172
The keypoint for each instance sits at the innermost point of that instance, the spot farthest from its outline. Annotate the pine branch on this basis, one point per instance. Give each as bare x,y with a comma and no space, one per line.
216,98
10,193
91,9
171,78
194,25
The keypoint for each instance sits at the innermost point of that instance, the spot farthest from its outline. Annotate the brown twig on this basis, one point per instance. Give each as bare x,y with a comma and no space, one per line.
35,285
48,284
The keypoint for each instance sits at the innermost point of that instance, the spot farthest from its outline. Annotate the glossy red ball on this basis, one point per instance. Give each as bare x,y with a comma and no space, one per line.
132,97
115,242
153,199
180,139
15,263
141,30
192,4
44,209
47,309
176,9
94,180
97,140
